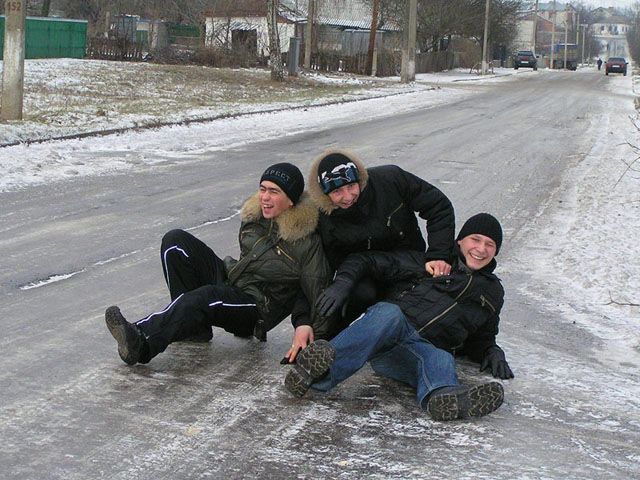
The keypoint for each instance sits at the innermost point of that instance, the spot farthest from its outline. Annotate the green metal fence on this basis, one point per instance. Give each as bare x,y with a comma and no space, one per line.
52,37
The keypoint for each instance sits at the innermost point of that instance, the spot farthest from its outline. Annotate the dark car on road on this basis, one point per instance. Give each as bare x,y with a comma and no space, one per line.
525,58
615,65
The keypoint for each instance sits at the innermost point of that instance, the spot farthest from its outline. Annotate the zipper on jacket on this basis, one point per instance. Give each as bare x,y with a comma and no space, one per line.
281,251
455,302
484,301
369,243
391,214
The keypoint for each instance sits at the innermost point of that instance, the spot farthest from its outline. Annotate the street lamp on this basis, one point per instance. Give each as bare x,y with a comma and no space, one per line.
584,29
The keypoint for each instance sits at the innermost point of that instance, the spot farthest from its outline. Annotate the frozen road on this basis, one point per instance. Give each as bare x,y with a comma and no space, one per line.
70,409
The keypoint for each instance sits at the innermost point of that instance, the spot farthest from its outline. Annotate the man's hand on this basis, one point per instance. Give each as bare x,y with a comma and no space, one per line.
495,360
437,268
331,299
302,337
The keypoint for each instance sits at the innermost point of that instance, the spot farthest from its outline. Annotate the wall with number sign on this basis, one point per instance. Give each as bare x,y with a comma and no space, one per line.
51,37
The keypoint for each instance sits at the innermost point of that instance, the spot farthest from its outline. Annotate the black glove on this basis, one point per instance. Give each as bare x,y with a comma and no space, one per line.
331,299
495,359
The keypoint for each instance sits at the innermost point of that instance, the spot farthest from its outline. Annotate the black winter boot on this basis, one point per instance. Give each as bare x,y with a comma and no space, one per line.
450,403
129,338
312,363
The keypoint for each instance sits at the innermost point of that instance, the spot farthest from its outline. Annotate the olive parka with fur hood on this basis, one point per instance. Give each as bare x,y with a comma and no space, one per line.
384,217
281,263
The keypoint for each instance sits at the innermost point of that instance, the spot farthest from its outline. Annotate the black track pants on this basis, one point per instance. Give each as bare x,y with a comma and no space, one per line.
200,299
188,263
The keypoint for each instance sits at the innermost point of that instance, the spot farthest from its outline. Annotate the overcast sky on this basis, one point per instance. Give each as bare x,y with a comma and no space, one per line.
612,3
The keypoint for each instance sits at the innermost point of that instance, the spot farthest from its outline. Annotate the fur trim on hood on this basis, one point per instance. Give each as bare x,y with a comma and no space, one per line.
293,224
322,200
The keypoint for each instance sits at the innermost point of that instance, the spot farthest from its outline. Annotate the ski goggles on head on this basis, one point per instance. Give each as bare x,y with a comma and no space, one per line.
340,175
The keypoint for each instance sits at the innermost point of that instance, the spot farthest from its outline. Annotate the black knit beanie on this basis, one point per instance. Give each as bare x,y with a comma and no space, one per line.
484,224
336,170
288,177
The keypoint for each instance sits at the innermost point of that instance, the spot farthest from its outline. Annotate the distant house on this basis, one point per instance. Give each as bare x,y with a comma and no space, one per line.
243,24
544,17
342,27
609,22
559,12
610,28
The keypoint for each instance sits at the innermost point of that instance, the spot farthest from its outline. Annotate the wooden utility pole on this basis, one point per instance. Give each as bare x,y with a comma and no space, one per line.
308,33
372,37
408,68
484,40
13,64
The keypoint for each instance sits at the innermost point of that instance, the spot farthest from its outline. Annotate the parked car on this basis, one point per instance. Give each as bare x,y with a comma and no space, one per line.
615,65
525,58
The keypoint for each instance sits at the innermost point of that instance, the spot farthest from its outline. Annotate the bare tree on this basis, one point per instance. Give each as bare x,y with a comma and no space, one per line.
46,6
438,20
372,36
275,57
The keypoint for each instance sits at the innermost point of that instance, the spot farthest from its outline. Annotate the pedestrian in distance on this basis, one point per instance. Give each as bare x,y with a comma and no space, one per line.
375,208
282,270
413,335
599,62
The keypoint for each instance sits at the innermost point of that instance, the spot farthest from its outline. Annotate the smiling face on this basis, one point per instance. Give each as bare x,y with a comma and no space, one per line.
273,201
345,196
478,250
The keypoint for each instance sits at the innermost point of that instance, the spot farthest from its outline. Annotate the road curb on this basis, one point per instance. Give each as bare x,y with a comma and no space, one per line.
157,125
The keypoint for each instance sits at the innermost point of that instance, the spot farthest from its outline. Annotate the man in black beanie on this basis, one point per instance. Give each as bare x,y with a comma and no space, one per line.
288,177
375,209
281,270
413,335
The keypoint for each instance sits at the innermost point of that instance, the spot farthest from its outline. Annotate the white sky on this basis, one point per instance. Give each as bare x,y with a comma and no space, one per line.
613,3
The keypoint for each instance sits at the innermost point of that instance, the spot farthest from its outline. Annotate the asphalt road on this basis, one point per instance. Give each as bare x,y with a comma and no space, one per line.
70,409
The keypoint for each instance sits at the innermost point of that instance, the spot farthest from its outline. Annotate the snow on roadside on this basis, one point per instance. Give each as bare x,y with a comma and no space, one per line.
22,165
581,249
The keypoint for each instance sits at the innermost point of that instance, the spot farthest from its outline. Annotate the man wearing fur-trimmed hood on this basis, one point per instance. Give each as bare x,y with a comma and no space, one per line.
374,209
281,270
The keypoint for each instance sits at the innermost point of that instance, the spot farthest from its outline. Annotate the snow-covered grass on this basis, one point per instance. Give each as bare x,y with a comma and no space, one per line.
71,96
66,97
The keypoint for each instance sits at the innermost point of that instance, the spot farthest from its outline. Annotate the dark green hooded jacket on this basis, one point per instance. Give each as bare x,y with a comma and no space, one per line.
282,263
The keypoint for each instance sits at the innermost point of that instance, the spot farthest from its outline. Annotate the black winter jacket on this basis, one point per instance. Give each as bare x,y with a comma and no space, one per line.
457,312
384,217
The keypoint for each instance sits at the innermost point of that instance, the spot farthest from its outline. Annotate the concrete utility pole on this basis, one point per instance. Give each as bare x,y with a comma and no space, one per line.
484,40
584,28
308,33
535,27
553,33
566,31
13,64
408,68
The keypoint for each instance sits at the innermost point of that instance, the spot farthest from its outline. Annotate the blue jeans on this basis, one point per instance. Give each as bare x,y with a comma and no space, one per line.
384,337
